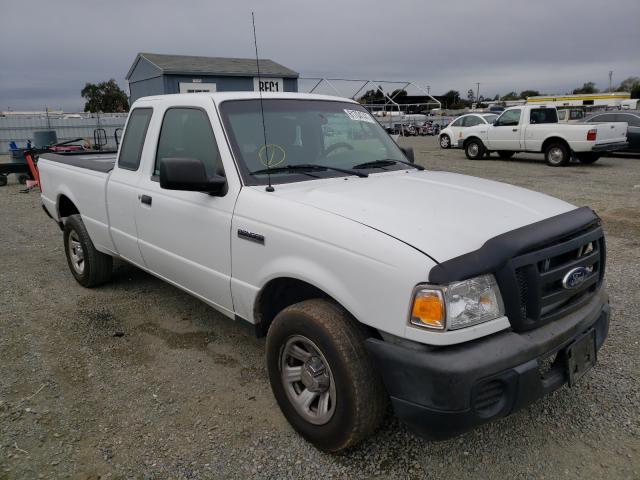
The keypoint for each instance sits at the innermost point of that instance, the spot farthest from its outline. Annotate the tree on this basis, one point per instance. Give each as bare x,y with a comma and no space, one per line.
372,96
104,97
635,90
529,93
510,96
398,94
587,87
628,84
451,98
471,96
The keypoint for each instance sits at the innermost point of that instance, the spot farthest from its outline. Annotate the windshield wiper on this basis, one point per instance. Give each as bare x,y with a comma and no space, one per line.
307,166
385,162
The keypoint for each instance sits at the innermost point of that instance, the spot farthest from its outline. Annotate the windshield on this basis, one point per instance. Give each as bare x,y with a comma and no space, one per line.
301,132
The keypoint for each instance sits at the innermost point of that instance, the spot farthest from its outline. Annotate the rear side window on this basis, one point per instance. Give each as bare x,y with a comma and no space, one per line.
133,140
543,115
632,120
186,133
607,117
472,120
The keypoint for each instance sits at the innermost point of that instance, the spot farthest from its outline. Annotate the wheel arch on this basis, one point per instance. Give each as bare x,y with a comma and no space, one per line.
65,206
473,137
283,291
555,139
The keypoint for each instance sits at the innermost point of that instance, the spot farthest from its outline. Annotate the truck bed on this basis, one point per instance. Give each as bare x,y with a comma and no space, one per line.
98,161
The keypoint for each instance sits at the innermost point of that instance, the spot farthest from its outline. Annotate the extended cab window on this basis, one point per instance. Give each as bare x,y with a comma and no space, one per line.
509,118
543,115
134,136
186,133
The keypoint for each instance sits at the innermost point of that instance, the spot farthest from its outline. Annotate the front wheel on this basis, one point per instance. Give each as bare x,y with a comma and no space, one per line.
321,375
474,149
557,155
445,141
88,266
588,157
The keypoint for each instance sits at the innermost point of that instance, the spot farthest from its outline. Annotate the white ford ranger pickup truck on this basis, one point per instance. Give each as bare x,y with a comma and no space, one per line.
458,299
535,128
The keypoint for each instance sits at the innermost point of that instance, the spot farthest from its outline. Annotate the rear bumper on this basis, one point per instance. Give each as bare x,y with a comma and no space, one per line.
610,147
442,392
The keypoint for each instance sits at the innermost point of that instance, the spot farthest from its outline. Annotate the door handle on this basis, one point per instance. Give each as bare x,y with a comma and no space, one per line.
514,129
146,199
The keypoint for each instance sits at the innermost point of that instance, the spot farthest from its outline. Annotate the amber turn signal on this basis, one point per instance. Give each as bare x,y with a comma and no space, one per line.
428,309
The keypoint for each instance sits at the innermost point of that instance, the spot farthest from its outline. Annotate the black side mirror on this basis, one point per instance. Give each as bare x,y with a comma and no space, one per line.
189,174
408,152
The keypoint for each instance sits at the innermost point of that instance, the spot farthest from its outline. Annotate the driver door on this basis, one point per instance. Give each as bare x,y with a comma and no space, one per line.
505,133
185,237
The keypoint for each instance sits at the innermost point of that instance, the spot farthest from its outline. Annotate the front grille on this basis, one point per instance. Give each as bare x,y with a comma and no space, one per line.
532,283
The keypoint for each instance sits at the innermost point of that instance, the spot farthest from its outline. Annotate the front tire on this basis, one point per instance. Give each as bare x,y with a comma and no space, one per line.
474,149
322,377
445,141
88,266
557,155
588,157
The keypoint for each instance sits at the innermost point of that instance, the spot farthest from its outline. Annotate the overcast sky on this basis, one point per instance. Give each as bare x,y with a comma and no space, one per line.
50,49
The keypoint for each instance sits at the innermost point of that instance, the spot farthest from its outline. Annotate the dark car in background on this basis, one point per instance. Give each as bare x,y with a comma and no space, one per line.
632,117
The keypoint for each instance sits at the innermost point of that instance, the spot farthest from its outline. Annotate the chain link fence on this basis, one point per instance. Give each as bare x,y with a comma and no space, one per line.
20,128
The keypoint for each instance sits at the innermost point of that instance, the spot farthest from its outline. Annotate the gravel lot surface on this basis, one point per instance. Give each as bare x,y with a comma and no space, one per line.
139,380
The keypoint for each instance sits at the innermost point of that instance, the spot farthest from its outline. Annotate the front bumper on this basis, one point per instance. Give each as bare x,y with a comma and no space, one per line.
610,147
443,391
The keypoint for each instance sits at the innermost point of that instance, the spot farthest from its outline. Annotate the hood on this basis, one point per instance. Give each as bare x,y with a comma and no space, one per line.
442,214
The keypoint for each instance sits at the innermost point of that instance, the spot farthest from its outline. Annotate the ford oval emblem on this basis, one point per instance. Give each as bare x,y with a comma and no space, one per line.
574,278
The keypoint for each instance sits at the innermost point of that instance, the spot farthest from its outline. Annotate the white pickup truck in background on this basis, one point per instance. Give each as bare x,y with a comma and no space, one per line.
535,128
459,299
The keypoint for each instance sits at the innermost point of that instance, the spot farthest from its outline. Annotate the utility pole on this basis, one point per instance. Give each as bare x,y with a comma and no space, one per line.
428,89
477,92
610,75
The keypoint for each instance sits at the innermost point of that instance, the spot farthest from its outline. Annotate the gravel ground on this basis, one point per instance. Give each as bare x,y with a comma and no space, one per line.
139,380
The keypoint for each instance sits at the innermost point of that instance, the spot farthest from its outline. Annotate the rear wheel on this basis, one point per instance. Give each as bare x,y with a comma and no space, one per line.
445,141
505,154
321,375
474,149
588,157
556,154
88,266
3,180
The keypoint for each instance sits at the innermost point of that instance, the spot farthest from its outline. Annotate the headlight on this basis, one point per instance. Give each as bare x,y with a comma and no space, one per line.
457,305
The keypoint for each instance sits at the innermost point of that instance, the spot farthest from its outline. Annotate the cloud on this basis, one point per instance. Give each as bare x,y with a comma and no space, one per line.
552,46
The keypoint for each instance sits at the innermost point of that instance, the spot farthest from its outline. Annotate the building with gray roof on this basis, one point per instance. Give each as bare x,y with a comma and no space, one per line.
157,74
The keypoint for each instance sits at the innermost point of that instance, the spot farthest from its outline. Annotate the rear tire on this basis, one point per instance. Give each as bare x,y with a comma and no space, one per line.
445,141
3,180
317,339
504,154
88,266
588,157
557,155
474,149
